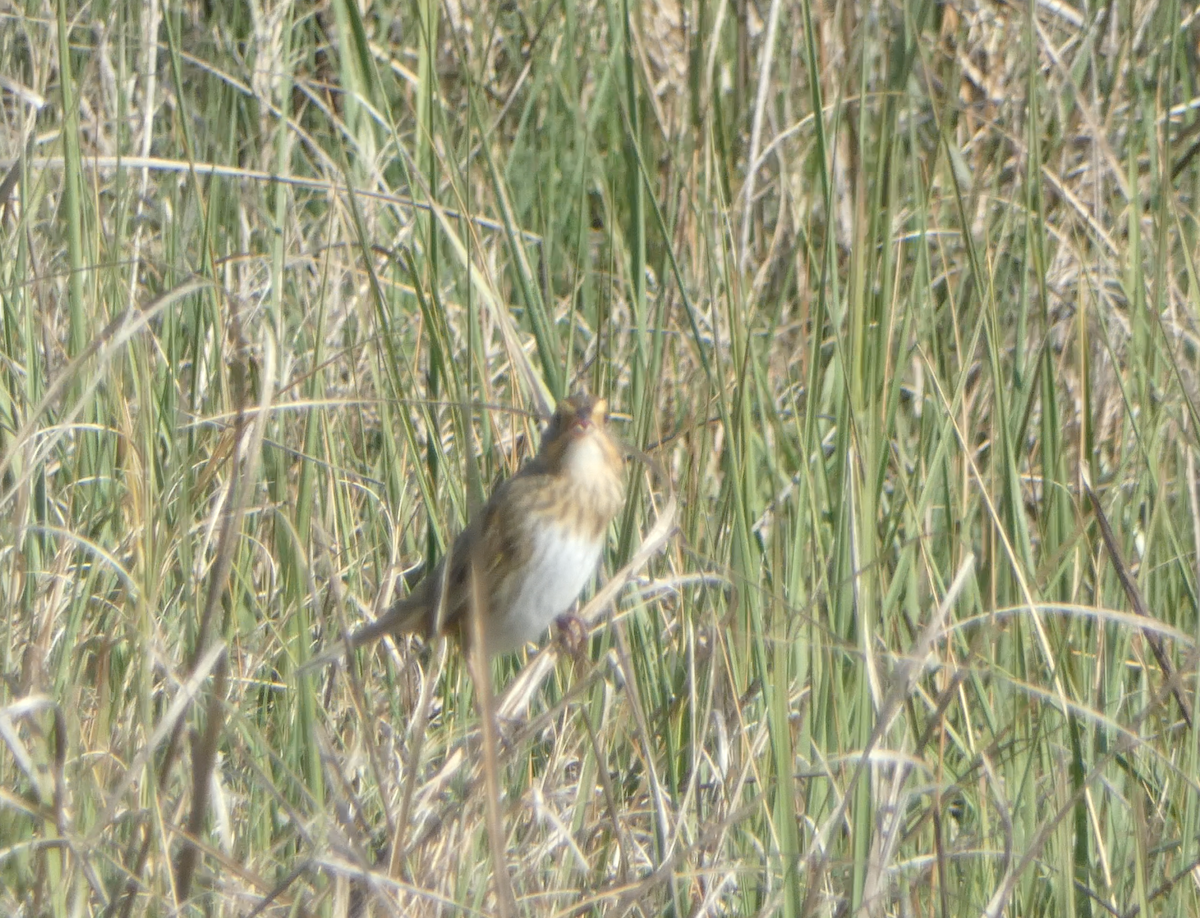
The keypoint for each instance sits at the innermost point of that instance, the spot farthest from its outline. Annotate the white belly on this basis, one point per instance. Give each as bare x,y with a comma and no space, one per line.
559,567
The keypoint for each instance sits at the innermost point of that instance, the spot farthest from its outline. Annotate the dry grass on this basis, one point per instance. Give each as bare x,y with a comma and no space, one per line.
284,290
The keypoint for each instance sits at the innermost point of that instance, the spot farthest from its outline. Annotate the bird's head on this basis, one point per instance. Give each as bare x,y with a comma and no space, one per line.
577,439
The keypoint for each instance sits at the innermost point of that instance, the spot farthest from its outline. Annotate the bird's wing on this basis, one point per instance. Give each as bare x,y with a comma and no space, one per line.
494,541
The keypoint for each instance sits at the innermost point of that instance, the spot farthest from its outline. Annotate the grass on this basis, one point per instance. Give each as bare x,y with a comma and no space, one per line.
882,290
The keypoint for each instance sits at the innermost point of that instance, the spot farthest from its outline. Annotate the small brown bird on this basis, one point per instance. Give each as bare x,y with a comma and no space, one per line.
535,545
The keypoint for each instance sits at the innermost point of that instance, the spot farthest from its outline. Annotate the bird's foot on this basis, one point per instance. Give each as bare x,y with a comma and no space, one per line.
572,634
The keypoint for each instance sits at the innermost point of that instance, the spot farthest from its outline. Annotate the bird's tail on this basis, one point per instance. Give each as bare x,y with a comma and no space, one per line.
406,615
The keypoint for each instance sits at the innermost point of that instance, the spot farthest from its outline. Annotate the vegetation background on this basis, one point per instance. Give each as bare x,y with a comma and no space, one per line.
881,287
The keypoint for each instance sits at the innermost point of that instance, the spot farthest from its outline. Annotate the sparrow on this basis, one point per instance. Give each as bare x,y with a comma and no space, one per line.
534,546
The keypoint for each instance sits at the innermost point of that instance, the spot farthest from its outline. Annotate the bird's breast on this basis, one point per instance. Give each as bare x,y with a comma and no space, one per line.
559,562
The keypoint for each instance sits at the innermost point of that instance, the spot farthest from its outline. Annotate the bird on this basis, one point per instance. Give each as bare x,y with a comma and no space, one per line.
535,545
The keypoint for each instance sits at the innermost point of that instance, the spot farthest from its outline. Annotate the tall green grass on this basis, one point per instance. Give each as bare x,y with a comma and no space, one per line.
876,290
